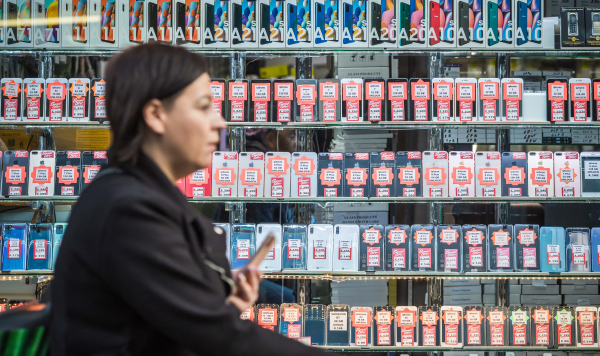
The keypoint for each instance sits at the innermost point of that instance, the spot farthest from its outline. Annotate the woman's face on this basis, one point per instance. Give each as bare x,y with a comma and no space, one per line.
192,126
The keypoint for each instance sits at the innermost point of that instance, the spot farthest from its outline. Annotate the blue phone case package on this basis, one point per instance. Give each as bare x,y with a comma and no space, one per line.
294,247
39,255
338,325
595,249
59,231
291,320
578,249
552,246
314,323
243,243
14,247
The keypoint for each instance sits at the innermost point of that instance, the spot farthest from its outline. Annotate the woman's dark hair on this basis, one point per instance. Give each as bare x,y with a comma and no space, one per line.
136,76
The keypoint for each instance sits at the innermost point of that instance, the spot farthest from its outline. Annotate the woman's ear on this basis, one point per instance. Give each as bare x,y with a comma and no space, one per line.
155,116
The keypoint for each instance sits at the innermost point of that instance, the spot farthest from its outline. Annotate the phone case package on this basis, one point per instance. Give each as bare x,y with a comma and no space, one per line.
79,99
243,244
542,329
14,247
98,100
420,99
329,98
384,326
449,248
474,326
435,167
356,174
541,174
304,174
527,248
47,23
579,100
556,100
338,325
587,326
474,248
488,167
91,163
314,323
198,184
180,183
564,326
578,249
57,236
375,97
512,98
345,247
284,103
56,100
132,19
383,166
423,248
226,229
443,99
272,26
244,33
355,23
397,100
306,99
441,24
294,247
215,29
267,316
330,183
519,326
596,98
68,173
501,248
260,103
320,241
466,99
462,167
406,326
16,168
75,24
500,27
488,95
11,99
33,108
595,249
383,30
237,90
291,320
224,174
514,167
409,174
327,23
39,255
361,332
497,326
277,178
352,99
568,174
371,248
299,31
103,33
397,248
252,174
552,246
529,18
272,261
218,89
18,24
428,326
451,326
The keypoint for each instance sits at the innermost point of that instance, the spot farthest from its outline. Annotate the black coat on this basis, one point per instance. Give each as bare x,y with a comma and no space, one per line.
131,278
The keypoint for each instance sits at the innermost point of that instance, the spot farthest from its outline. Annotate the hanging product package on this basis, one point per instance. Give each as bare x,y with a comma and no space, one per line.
527,248
14,247
304,175
397,248
294,247
291,320
338,322
314,323
243,244
451,326
497,326
39,255
406,326
474,326
474,248
371,248
383,166
330,183
384,326
501,248
428,326
542,328
409,174
449,248
564,326
423,248
345,247
519,322
356,174
552,249
361,332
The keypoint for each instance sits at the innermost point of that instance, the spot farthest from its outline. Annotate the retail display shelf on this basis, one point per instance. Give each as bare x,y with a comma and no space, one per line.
317,52
44,125
326,200
346,276
464,349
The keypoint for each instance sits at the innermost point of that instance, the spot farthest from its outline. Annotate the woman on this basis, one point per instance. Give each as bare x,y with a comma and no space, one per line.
140,272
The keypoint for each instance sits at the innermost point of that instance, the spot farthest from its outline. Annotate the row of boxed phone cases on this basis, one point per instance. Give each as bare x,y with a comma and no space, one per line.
275,23
445,326
436,174
417,99
52,99
425,248
49,173
30,246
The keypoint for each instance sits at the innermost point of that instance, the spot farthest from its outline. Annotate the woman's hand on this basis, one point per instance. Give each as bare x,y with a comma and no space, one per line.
247,281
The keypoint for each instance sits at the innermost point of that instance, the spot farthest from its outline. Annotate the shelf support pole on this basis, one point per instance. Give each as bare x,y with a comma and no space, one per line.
502,135
237,135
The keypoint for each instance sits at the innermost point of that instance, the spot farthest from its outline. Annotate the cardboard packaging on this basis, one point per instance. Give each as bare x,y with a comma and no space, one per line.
299,30
449,248
474,248
103,33
252,174
592,21
356,175
504,21
132,18
160,23
371,248
188,23
423,248
20,34
304,174
338,321
294,244
412,24
345,247
383,30
330,183
329,99
271,13
46,23
244,33
441,24
409,174
355,23
528,23
488,95
443,99
406,326
397,248
327,24
397,100
216,27
75,26
572,27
